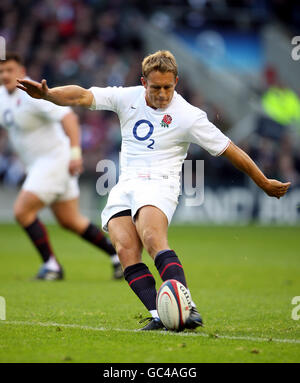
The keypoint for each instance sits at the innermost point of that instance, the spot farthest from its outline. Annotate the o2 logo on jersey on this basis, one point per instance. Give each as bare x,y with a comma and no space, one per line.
143,130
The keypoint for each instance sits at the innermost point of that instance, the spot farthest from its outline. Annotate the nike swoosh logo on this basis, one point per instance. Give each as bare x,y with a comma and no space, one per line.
132,107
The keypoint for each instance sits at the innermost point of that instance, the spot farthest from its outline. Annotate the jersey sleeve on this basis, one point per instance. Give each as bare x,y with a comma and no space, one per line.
50,111
207,135
106,98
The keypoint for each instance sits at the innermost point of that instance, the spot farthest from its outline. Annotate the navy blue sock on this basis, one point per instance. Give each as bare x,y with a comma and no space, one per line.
39,236
169,266
142,283
95,236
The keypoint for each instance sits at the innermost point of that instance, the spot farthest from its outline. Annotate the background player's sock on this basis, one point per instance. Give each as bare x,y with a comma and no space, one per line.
39,237
115,259
52,264
169,266
95,236
142,283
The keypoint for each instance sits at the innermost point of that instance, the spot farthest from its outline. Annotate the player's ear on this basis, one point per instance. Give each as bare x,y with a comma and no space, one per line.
176,80
23,71
144,82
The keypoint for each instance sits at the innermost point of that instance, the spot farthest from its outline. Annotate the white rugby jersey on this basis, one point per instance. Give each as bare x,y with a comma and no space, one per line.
33,125
157,140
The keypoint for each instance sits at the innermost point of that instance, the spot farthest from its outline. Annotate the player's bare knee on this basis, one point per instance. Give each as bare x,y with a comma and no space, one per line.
20,213
128,255
150,240
123,252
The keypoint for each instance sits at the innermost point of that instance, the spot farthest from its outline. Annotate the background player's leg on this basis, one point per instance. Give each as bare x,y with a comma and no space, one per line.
26,208
69,216
124,237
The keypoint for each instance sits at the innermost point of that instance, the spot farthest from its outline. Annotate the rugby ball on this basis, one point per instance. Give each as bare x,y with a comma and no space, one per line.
173,303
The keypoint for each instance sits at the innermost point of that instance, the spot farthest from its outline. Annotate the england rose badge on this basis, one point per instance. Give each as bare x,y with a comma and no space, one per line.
166,121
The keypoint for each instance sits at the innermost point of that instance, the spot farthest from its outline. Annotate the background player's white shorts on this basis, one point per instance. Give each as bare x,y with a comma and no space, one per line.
134,193
50,181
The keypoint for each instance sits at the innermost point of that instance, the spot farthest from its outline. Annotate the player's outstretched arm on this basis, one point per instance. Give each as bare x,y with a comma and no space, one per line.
243,162
70,95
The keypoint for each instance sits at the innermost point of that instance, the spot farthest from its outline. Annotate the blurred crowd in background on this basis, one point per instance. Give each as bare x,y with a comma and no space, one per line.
98,43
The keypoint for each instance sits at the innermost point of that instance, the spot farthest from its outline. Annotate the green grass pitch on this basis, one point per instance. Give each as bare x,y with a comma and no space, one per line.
243,280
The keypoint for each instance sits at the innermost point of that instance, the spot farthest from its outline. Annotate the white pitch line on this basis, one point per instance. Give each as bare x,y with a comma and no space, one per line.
77,326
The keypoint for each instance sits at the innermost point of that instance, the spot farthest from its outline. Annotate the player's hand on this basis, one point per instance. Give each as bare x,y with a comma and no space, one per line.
276,188
33,88
76,167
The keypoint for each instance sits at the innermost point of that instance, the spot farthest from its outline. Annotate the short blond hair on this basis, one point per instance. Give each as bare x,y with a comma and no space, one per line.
162,61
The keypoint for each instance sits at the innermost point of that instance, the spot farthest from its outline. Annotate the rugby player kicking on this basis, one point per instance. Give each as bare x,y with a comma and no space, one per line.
47,139
157,126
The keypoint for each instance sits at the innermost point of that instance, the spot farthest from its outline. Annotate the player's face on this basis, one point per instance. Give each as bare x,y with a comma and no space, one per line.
9,72
159,88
